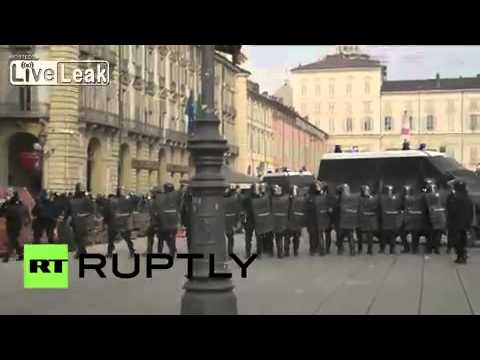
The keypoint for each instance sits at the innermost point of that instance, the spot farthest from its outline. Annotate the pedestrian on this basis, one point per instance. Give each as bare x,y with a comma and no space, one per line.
17,216
460,209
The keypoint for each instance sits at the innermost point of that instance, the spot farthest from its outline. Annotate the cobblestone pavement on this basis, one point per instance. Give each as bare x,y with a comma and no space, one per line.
379,284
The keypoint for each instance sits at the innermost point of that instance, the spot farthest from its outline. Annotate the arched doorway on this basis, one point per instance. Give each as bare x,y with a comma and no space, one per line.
124,167
94,167
24,168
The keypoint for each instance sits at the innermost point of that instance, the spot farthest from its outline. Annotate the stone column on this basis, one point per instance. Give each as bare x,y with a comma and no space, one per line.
63,129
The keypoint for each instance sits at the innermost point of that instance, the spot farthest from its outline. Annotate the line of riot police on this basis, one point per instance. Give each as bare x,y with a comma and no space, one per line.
277,217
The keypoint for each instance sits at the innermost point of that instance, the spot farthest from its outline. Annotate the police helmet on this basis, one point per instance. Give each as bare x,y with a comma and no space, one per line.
168,187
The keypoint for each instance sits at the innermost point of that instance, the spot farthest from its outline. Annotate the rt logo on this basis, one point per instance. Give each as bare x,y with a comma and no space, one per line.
45,267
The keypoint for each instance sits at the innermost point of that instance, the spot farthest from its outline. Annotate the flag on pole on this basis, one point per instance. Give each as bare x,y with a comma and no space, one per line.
190,112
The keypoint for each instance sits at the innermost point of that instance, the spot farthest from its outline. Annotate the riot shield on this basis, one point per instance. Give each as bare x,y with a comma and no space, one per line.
323,216
392,215
297,217
280,205
414,213
349,212
368,216
436,211
83,217
262,215
165,211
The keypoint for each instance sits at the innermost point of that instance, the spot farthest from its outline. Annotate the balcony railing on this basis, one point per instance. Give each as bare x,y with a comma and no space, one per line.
15,111
99,117
176,137
142,128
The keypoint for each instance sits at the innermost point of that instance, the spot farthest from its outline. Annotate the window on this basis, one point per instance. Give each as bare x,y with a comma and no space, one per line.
411,122
474,122
450,152
304,90
430,122
474,105
349,125
367,106
450,106
331,108
318,108
331,89
367,124
331,124
318,90
388,123
349,89
367,86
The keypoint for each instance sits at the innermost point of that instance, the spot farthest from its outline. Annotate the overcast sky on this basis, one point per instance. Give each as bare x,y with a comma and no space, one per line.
270,65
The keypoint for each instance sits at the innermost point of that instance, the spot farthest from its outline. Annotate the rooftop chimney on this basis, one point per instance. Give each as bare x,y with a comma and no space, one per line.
438,80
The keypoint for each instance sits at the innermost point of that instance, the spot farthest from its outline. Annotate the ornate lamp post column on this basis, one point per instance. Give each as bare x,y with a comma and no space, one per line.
206,295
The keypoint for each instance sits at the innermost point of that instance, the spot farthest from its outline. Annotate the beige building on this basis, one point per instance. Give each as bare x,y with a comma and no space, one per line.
348,95
132,133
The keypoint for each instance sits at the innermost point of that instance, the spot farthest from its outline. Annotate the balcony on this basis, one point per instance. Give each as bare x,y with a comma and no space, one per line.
15,111
161,82
99,117
142,128
139,82
234,150
176,138
174,168
173,87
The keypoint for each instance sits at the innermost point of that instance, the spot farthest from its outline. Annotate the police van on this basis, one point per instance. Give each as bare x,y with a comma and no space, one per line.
285,178
397,168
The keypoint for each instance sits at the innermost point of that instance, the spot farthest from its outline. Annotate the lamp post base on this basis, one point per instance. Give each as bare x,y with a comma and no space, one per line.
208,298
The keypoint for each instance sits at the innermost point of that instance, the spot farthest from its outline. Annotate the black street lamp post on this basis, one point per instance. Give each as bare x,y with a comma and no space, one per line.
204,294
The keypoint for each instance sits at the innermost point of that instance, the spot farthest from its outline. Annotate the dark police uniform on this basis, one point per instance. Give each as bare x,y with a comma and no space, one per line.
437,217
117,215
45,213
232,208
460,216
368,221
280,207
391,221
348,220
414,220
297,220
16,214
262,220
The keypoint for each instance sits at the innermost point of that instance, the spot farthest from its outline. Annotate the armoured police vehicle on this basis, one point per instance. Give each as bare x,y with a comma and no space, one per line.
286,178
396,168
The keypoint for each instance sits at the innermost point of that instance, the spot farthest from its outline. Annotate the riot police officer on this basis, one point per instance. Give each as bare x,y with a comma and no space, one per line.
437,216
232,207
117,215
320,211
45,214
391,219
312,228
164,218
415,219
249,219
460,210
348,218
296,219
81,212
280,207
262,217
368,218
16,215
268,238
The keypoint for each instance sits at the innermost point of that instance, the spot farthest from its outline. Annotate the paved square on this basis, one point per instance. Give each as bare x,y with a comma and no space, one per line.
379,284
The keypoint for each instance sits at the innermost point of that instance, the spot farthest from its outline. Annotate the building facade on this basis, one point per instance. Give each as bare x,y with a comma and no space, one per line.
348,95
274,135
132,133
